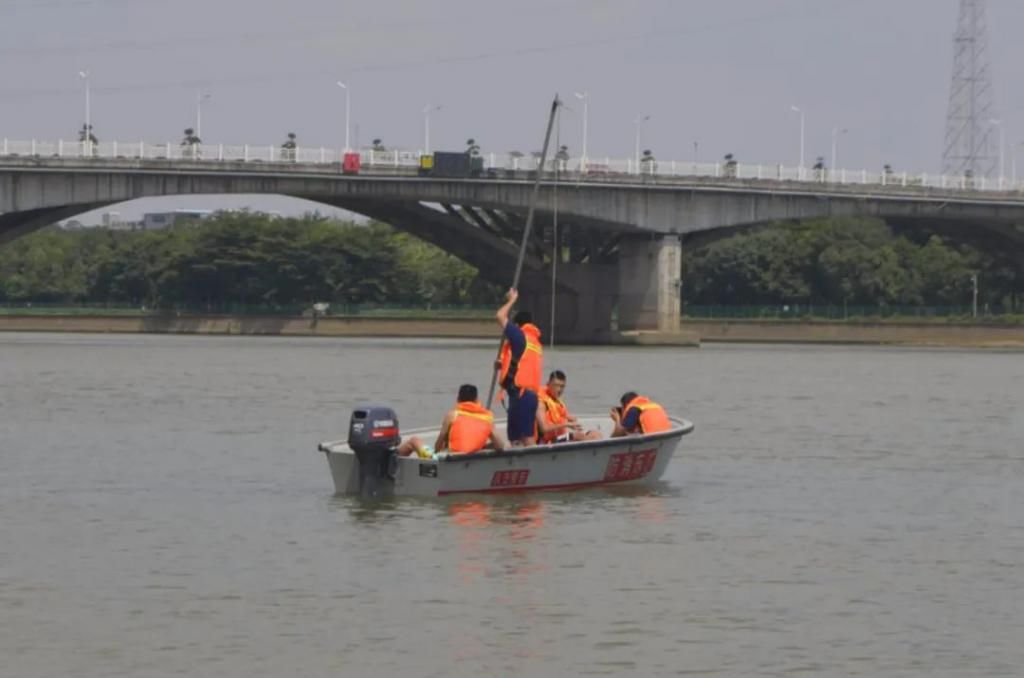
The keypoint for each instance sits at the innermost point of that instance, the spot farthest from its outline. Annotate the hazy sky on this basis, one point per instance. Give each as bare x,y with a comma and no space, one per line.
723,73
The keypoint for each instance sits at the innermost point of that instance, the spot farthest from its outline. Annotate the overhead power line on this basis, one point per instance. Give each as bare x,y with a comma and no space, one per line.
409,64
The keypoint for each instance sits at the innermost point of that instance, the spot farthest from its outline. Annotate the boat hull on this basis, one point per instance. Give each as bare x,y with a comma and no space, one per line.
630,460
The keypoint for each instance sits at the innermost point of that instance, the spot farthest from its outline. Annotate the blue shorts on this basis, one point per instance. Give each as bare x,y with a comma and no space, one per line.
522,415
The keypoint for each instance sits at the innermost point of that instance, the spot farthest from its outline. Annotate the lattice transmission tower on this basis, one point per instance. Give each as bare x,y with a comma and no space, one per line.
970,150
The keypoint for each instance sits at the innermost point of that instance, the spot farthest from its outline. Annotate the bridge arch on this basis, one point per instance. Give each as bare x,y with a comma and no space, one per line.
621,235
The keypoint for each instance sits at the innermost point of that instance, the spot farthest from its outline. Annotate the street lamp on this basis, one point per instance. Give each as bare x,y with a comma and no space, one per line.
640,120
1002,146
347,111
797,109
200,98
583,158
84,75
974,306
426,126
1013,161
835,145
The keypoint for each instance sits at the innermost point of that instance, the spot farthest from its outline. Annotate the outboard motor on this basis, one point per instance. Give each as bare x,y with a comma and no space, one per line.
373,436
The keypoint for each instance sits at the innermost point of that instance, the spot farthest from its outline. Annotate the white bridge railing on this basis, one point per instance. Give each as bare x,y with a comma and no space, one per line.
592,167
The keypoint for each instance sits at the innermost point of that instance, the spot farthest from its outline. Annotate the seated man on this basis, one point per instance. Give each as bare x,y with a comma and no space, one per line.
554,422
638,415
468,427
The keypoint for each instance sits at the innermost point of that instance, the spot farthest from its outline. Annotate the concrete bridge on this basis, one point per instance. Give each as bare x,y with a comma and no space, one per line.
619,236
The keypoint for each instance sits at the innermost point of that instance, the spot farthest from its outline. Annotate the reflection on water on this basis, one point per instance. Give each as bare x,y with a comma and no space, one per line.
840,511
482,527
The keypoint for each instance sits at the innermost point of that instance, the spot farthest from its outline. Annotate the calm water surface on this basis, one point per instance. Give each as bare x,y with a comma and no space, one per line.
839,512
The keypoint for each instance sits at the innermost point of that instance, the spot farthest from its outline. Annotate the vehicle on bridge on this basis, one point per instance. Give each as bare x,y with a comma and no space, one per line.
451,165
351,163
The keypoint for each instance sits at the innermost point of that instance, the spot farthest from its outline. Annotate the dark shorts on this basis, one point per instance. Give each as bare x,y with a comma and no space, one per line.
522,415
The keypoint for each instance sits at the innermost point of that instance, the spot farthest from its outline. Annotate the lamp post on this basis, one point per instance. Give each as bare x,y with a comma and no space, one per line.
84,75
797,109
586,103
1002,147
347,112
974,306
200,98
426,126
640,120
835,146
1013,161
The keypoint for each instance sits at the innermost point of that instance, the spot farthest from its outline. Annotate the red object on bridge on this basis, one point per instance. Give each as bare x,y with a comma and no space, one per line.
350,163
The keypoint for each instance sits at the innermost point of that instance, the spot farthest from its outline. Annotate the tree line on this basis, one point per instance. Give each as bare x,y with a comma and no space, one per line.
237,259
255,260
851,261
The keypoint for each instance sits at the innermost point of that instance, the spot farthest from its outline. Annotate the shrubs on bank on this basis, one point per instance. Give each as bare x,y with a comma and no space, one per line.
849,263
850,267
242,259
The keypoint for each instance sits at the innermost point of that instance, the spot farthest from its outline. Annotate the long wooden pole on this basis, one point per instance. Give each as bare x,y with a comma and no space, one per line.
526,230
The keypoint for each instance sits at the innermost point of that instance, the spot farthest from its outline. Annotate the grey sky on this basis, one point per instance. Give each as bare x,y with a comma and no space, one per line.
720,72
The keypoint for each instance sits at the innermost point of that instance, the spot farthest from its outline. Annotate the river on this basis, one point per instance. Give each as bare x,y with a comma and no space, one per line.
838,511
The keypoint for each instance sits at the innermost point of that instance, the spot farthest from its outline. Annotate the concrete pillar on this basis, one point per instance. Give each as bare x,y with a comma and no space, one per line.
649,280
643,286
583,304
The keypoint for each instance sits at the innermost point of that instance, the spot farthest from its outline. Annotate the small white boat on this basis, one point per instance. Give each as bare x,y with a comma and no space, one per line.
631,460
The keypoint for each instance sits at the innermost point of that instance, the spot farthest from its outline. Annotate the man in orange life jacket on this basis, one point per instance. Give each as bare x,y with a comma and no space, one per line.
521,365
554,422
468,427
638,415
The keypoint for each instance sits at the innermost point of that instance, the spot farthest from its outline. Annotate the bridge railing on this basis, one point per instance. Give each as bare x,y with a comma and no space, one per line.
577,169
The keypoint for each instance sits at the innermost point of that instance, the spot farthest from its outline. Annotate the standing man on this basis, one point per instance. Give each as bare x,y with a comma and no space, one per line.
521,365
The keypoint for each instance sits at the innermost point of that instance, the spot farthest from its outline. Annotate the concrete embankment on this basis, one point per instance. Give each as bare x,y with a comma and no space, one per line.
908,334
253,325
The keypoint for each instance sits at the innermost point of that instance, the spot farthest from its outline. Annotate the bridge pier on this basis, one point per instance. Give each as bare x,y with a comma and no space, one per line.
584,302
650,267
642,288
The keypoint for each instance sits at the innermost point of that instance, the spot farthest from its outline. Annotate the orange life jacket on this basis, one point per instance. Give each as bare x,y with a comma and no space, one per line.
528,370
652,415
555,415
471,428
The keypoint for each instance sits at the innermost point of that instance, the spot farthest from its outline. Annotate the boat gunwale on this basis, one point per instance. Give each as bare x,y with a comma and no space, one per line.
683,427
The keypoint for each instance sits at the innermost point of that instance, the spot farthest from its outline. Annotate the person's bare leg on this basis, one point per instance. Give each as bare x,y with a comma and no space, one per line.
410,446
589,435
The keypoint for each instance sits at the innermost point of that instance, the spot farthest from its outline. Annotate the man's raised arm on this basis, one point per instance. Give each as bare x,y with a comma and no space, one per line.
510,299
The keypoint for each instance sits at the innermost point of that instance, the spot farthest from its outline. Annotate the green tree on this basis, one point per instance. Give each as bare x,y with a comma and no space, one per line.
945,272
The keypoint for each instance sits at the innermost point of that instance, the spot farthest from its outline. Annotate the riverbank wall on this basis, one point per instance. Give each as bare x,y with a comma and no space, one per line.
253,325
877,333
707,331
